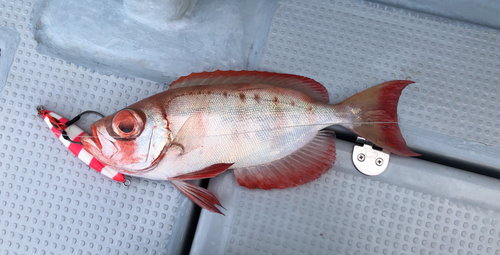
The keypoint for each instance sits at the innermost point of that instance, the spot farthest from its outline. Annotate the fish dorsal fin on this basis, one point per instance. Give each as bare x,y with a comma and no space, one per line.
302,166
300,83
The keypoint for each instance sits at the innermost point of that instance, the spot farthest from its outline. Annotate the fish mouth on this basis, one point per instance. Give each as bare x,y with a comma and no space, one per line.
99,145
91,141
95,137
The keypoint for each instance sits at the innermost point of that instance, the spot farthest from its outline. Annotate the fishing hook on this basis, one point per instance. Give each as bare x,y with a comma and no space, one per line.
62,127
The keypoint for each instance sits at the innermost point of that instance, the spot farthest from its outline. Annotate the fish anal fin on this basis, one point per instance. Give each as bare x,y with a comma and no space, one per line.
376,110
200,196
302,166
302,84
207,172
191,134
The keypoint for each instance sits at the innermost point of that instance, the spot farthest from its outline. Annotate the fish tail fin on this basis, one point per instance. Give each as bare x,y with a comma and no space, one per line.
374,116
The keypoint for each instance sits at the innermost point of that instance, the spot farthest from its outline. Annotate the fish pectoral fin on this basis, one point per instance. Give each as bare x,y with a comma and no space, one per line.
191,134
200,196
207,172
302,166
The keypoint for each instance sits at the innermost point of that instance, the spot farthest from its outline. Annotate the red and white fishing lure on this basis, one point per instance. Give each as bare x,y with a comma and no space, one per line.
57,124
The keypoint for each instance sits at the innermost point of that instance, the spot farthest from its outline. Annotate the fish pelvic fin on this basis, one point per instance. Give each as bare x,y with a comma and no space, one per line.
200,196
207,172
375,116
302,166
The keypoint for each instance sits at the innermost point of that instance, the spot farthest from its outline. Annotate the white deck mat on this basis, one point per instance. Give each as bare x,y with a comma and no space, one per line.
452,110
414,207
50,201
51,204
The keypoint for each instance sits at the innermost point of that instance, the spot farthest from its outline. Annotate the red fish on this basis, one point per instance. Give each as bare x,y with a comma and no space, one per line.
268,127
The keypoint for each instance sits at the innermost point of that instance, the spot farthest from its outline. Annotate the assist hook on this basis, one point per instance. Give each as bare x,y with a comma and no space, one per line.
62,126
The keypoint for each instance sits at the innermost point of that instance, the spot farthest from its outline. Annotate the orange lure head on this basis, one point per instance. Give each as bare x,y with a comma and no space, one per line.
130,140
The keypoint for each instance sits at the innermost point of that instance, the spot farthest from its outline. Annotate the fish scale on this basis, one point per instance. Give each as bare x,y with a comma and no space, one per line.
264,121
243,101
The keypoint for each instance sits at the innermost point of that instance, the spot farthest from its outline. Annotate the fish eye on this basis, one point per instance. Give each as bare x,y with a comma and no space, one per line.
128,123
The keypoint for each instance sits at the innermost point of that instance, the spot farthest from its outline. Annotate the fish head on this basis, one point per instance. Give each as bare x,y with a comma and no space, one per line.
130,140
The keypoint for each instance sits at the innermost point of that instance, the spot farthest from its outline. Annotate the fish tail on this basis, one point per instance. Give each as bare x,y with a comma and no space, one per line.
372,114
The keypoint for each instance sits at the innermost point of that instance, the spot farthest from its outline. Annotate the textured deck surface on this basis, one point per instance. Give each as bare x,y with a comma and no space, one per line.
51,203
414,207
453,109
